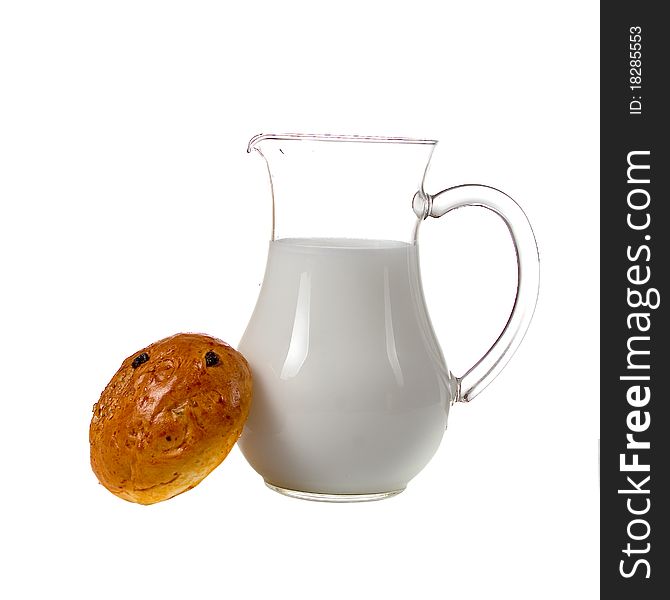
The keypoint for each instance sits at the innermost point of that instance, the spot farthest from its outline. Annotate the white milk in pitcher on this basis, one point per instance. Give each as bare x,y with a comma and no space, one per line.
351,393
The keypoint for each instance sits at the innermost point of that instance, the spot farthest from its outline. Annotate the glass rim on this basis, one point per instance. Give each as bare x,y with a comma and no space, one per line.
329,137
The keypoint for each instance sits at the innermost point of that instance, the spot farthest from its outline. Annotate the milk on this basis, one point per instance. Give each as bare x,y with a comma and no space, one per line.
351,393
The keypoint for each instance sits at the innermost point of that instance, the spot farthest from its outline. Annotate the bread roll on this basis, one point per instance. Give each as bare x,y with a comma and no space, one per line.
169,416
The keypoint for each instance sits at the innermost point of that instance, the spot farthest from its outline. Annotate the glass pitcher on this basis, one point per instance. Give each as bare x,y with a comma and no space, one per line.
351,390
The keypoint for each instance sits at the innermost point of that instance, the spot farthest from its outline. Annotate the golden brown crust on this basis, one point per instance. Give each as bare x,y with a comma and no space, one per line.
162,425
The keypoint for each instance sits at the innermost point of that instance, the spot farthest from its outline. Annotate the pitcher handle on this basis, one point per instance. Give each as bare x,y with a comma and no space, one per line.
489,366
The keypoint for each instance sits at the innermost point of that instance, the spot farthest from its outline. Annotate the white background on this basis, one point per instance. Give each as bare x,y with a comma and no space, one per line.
123,128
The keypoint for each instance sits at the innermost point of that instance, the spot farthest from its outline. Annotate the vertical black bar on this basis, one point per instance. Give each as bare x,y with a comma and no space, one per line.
635,419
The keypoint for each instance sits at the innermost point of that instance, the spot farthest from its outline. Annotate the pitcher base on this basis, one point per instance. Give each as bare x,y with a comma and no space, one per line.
317,497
